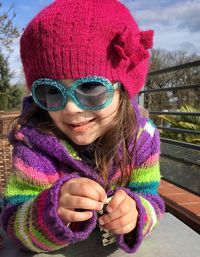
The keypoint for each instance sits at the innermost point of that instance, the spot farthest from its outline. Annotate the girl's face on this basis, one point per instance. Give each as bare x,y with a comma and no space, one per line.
84,126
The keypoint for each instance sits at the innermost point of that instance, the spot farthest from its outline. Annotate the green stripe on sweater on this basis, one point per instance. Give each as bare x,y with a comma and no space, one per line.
17,186
40,237
146,174
21,227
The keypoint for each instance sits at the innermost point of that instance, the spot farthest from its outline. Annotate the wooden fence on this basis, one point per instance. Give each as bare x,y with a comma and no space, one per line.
5,148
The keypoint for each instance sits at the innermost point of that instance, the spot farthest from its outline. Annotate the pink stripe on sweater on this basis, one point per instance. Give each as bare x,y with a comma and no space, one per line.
117,175
148,223
147,231
19,135
152,160
12,233
40,211
149,162
30,172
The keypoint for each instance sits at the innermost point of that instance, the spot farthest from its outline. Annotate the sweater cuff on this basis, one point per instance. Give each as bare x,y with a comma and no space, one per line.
130,242
58,227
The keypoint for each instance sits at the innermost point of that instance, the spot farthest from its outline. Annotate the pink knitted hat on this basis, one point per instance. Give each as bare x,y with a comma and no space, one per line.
78,38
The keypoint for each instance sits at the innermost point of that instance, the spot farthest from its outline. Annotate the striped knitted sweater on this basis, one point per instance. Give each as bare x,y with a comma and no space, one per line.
42,163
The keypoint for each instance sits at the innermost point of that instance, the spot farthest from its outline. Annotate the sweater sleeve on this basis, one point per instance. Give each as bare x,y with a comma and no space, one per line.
31,198
142,187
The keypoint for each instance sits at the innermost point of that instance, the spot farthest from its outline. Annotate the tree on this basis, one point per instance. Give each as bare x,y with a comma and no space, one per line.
161,59
188,122
8,32
10,96
5,76
16,93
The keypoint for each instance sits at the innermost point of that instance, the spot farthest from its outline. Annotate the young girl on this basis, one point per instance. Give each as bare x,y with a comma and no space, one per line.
80,138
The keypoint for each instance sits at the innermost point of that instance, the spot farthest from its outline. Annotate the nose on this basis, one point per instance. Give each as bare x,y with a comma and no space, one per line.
71,107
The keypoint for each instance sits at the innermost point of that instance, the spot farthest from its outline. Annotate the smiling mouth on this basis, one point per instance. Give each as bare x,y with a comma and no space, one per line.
81,127
81,124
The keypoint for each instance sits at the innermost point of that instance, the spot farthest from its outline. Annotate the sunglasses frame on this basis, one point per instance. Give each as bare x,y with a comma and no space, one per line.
70,92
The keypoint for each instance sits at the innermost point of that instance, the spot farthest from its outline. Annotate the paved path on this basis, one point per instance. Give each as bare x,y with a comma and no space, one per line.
171,238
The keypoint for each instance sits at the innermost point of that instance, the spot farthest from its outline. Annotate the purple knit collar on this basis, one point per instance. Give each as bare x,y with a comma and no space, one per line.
51,146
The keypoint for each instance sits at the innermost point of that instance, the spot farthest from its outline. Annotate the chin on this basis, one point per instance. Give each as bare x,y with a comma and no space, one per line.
83,141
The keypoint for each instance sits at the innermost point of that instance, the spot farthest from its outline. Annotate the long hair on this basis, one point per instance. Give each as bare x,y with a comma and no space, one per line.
111,148
117,144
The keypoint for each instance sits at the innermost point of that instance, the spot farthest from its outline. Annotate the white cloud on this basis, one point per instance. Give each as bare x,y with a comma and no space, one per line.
188,46
146,4
172,39
175,22
184,14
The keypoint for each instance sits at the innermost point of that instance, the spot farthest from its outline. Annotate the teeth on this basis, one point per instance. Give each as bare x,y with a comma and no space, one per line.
81,124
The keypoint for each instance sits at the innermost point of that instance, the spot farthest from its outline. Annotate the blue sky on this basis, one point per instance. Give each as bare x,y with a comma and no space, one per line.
176,23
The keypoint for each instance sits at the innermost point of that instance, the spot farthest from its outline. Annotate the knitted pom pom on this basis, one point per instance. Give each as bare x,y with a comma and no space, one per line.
133,46
147,38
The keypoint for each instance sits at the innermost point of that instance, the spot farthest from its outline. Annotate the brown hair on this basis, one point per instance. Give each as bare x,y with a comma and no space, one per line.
114,145
107,152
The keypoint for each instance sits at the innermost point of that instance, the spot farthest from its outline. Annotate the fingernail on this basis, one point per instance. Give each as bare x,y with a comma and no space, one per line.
109,209
105,200
102,206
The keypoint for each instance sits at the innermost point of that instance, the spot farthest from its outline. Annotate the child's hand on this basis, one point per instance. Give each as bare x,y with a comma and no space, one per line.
122,214
77,196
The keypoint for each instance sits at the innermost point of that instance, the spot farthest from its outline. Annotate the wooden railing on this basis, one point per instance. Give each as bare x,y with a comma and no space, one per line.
180,161
177,155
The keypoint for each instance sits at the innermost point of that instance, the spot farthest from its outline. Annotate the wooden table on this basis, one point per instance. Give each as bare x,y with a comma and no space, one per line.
171,238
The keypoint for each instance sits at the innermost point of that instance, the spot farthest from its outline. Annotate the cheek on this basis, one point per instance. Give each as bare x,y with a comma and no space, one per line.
110,111
55,116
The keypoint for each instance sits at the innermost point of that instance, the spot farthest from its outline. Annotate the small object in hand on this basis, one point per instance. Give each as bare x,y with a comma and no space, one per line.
103,211
107,237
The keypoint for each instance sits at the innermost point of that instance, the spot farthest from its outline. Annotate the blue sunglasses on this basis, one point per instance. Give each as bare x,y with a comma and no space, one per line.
90,93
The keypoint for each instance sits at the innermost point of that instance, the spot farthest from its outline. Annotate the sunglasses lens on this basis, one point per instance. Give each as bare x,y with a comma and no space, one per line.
48,96
91,94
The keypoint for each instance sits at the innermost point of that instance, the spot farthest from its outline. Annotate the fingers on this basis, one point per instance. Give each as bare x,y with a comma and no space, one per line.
122,214
84,187
116,201
123,230
77,202
120,222
116,208
80,193
122,225
73,216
